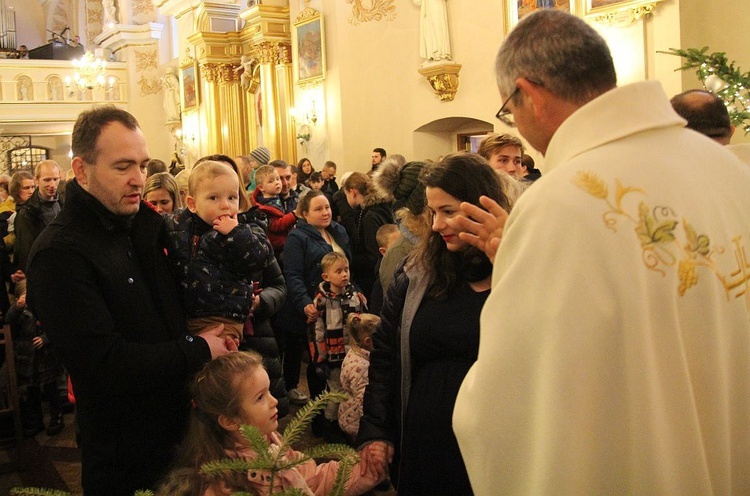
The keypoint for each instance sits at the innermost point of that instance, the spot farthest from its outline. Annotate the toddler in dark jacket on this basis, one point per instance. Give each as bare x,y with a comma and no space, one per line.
214,255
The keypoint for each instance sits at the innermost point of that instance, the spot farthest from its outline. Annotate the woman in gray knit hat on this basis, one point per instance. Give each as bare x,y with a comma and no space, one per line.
399,183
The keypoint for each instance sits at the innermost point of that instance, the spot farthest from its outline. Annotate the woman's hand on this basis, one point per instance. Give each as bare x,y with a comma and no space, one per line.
483,228
375,458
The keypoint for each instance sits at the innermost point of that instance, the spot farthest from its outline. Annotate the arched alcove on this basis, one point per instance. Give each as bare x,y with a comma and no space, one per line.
446,135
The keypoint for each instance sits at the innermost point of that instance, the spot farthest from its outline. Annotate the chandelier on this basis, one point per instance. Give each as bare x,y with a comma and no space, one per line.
89,74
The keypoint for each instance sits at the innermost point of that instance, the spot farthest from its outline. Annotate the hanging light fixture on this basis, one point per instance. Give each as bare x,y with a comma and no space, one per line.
89,74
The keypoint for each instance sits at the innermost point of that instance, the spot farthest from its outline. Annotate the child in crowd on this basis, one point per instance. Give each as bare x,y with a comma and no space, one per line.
213,255
227,393
315,181
37,368
336,299
354,379
386,235
266,196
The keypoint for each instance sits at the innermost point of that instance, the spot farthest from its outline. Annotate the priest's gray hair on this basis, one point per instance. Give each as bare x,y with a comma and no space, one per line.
558,51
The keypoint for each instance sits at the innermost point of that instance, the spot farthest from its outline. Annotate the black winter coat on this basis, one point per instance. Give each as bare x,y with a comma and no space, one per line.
365,249
262,339
103,291
28,225
214,269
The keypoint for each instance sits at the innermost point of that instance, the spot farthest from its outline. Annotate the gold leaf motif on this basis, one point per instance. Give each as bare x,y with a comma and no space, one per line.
656,230
378,10
143,7
145,60
591,183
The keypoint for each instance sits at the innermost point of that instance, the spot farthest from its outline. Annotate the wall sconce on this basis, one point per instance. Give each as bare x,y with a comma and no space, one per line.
303,119
179,146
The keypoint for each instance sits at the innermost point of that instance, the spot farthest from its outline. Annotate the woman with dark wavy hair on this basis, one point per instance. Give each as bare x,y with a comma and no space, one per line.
429,338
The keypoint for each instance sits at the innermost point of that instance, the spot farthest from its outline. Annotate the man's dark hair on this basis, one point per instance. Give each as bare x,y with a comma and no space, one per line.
381,151
89,126
155,166
279,163
705,113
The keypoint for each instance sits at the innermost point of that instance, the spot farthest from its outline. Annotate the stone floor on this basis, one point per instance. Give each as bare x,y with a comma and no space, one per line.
54,462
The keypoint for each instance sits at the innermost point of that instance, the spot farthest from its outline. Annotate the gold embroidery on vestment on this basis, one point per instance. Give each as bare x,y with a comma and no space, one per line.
664,244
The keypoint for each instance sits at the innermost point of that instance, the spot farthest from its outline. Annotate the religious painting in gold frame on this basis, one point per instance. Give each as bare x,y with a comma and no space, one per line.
515,10
189,86
309,47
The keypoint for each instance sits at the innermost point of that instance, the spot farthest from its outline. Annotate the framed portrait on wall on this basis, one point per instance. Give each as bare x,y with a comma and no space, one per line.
515,10
309,47
189,86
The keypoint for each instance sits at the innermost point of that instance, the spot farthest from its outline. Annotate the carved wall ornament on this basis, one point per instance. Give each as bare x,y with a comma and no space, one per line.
227,73
377,11
619,12
145,66
268,52
443,78
143,7
210,72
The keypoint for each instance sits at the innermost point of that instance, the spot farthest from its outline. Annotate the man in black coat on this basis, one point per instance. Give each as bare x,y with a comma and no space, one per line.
37,212
100,285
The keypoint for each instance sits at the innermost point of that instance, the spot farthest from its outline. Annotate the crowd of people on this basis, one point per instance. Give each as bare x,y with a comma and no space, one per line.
496,332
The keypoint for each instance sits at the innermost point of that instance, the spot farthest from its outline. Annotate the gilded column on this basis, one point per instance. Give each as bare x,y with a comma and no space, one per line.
268,55
285,88
233,112
212,141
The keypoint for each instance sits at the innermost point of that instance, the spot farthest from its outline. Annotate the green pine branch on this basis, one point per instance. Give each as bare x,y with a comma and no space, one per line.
734,93
274,459
35,491
269,459
304,415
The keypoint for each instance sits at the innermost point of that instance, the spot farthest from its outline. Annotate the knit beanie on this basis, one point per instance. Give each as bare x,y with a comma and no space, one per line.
401,184
261,155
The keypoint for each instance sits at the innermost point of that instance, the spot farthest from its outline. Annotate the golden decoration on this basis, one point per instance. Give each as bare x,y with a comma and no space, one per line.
664,246
143,7
145,65
227,73
443,78
145,60
378,10
591,184
267,52
285,53
149,86
210,72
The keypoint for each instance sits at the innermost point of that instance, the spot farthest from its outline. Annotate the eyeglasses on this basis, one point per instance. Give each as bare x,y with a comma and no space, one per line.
504,115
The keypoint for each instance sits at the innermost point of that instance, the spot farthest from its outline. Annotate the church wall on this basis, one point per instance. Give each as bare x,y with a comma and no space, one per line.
375,92
722,29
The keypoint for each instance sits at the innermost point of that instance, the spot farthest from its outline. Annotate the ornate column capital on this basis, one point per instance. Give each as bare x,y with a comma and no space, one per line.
210,72
268,52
